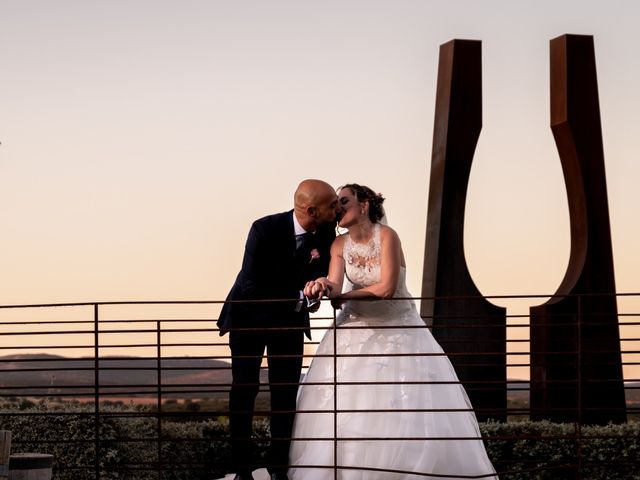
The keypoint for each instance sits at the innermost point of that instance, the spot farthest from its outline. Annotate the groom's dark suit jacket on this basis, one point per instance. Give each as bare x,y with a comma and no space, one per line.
272,268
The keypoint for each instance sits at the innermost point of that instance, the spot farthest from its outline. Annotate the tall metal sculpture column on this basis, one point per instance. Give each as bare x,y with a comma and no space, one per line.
470,329
576,369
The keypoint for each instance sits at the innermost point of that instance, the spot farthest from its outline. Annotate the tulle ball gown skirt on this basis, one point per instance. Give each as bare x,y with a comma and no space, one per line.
392,386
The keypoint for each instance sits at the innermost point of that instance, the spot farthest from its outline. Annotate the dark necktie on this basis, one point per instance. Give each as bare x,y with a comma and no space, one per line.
303,240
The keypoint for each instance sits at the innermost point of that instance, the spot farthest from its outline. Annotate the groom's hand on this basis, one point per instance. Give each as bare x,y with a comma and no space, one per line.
308,290
313,290
318,290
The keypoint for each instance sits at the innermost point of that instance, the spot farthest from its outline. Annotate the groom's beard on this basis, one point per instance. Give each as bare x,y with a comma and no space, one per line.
330,224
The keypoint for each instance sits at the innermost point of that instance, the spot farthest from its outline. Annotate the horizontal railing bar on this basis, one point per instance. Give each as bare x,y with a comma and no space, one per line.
214,302
59,332
124,345
412,473
265,368
170,387
153,329
313,319
171,395
33,347
141,302
215,357
107,321
224,438
266,413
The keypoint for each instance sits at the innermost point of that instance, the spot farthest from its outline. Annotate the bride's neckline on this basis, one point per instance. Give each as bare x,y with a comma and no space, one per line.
374,230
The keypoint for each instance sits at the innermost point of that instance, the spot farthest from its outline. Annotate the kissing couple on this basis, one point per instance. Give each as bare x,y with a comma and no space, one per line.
398,396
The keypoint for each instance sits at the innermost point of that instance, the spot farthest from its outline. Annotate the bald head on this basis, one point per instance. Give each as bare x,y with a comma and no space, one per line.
315,203
310,191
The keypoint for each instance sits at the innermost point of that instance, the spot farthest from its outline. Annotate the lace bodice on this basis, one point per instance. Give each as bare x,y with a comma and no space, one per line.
362,269
362,260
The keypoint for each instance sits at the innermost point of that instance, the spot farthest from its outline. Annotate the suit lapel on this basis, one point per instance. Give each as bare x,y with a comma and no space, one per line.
290,234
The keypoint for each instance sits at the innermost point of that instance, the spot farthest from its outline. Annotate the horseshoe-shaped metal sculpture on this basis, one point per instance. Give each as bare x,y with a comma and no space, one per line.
470,329
576,367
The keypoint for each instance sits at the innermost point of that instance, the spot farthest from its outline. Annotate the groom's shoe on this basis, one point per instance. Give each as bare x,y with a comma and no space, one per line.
243,476
279,476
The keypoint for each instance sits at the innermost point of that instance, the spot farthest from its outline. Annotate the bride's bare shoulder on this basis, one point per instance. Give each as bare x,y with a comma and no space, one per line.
338,243
386,232
389,237
340,238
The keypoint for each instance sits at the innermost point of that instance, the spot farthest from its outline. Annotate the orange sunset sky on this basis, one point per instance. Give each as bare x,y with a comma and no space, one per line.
139,139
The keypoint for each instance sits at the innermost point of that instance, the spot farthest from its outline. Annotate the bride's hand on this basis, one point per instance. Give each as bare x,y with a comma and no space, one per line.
324,285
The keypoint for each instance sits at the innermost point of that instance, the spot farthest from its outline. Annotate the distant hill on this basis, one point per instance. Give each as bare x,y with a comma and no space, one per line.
24,375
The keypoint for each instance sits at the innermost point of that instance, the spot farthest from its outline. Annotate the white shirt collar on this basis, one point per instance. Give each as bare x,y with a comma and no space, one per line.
297,228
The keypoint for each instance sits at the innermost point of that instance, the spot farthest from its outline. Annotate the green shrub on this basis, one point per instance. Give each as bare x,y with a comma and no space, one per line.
552,451
192,448
195,446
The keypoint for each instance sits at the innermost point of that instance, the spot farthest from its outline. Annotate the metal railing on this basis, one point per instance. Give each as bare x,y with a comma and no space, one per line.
147,375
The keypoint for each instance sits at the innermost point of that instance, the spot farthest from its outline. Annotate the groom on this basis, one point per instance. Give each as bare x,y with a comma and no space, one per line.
283,252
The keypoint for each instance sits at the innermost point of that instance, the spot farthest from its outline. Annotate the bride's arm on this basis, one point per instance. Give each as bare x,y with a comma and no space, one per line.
390,262
335,277
331,285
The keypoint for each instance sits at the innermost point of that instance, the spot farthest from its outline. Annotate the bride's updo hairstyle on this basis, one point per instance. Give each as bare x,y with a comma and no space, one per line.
365,194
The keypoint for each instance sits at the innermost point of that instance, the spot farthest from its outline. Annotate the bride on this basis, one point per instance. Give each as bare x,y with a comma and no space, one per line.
400,409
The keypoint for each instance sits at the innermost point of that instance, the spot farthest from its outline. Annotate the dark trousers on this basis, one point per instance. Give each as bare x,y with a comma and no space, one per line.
284,357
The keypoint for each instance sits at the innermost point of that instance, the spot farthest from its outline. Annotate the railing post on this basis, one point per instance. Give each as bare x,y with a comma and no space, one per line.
335,397
159,394
96,387
579,426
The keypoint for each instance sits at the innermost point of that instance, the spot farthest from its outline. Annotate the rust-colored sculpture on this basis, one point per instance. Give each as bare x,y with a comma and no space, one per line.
470,329
576,369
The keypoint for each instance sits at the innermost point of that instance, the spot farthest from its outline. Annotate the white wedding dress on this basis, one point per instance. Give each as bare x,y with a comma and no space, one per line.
387,347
